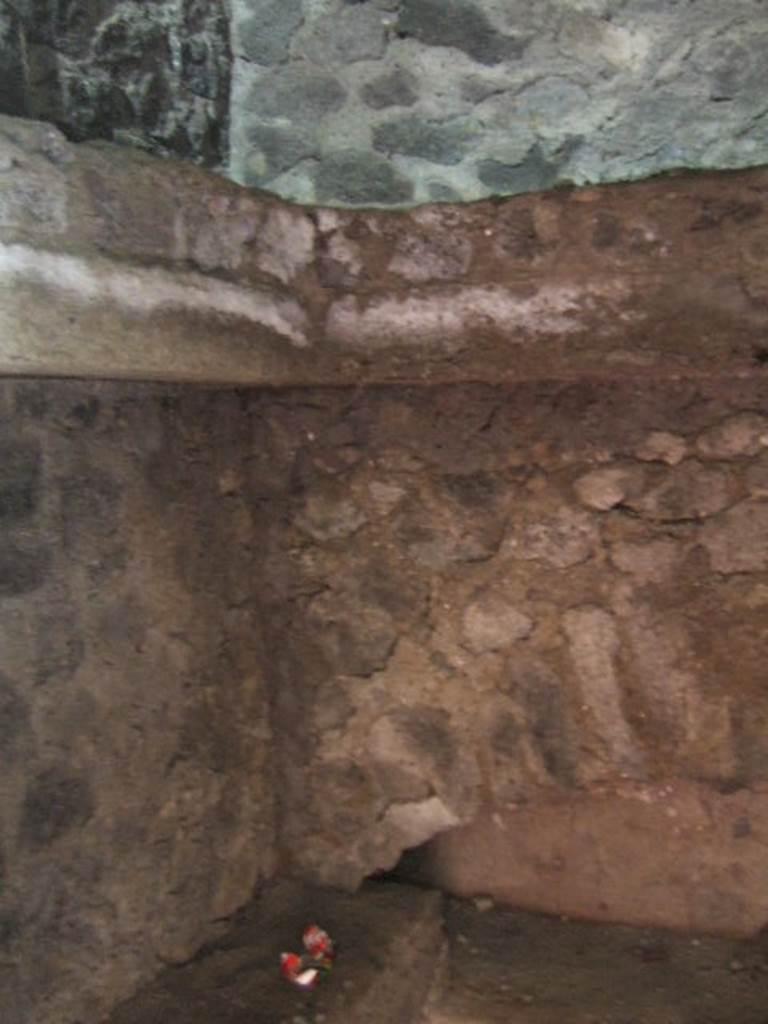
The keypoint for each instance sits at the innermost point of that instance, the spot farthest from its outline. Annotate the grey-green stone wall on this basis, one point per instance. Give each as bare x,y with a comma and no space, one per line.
399,102
383,102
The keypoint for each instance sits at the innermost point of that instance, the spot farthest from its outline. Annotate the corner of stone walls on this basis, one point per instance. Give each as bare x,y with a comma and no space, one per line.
480,596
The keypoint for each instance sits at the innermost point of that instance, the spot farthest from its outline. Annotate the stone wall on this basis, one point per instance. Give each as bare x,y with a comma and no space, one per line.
441,610
486,598
397,102
152,75
137,797
393,601
394,102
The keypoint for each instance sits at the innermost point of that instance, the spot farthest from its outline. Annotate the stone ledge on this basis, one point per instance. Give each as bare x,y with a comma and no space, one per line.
544,855
117,264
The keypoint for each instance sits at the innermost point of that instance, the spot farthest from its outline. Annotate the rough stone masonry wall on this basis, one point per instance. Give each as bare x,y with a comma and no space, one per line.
395,102
136,807
154,75
488,598
453,614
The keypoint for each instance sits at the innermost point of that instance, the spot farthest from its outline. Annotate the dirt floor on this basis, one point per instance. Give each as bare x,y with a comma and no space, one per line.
485,965
512,967
388,938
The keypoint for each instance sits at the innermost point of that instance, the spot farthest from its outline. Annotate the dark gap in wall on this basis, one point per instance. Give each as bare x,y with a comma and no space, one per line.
411,869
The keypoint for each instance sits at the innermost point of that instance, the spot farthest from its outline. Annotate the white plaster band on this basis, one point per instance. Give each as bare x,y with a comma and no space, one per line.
446,316
149,290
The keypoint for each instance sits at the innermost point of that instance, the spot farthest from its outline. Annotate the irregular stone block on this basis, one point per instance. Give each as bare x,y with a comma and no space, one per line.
490,623
447,540
733,62
515,235
553,98
603,489
689,491
439,142
286,243
356,639
415,822
275,149
594,642
33,192
562,540
309,93
397,88
360,179
737,541
533,174
265,37
428,735
547,728
385,496
651,562
431,258
661,446
740,435
457,24
330,517
343,37
220,240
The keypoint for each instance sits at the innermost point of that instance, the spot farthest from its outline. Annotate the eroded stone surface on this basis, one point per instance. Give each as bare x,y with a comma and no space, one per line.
661,446
687,491
500,292
134,737
155,76
745,434
736,541
603,489
510,638
491,623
